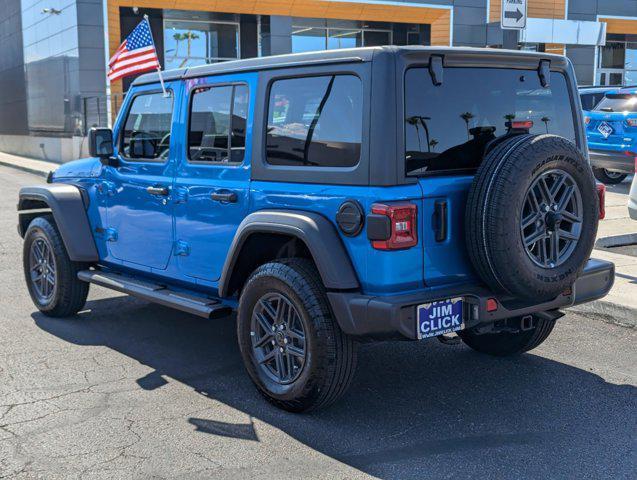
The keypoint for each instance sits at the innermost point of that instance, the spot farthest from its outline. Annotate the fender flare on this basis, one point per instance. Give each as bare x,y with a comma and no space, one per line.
68,208
316,231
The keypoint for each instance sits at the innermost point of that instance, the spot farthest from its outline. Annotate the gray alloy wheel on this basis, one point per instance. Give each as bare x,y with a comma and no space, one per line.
42,270
552,217
278,338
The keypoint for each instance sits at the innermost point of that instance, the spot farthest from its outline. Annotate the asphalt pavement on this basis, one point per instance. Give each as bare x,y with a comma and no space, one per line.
127,389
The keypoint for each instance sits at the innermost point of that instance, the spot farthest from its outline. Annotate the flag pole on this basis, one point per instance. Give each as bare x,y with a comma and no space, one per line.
161,78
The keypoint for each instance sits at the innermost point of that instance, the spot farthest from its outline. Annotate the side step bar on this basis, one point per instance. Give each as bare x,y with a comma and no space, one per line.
190,303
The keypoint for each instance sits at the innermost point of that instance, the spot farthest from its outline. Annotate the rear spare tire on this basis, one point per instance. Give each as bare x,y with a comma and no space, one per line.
531,216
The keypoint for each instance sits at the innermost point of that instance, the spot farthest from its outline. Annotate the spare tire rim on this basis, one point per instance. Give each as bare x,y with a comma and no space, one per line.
42,270
278,338
551,218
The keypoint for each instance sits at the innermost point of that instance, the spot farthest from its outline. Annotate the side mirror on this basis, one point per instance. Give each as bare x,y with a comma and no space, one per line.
100,144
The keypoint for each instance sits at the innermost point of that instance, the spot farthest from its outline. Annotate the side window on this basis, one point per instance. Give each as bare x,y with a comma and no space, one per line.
217,125
146,134
315,121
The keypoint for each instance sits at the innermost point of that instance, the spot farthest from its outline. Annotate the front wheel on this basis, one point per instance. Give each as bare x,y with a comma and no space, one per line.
292,347
50,274
609,177
503,344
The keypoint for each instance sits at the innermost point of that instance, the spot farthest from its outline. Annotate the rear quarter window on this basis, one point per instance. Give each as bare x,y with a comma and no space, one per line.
447,127
315,121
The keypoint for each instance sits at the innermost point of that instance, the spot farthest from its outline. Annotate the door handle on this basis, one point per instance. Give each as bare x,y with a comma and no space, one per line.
224,197
158,190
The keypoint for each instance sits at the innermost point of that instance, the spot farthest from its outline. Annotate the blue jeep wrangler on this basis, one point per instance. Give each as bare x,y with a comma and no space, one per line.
332,198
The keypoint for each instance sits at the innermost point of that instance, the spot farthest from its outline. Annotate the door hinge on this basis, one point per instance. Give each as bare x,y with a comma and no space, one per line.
111,235
106,188
180,195
182,249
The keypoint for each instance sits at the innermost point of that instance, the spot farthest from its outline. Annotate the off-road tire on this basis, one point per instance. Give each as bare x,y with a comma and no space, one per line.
601,174
69,294
330,354
504,344
494,206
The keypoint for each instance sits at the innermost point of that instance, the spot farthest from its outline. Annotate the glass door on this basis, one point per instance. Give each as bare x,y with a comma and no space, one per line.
607,77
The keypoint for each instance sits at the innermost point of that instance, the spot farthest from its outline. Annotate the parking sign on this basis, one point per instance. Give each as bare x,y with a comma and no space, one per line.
513,14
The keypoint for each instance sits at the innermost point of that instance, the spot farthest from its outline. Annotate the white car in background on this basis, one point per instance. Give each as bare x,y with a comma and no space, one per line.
632,197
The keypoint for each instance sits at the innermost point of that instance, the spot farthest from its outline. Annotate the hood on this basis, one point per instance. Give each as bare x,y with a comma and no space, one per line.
84,168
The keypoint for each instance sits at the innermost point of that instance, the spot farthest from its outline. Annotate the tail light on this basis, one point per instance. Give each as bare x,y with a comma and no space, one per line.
523,124
587,120
601,195
401,229
632,122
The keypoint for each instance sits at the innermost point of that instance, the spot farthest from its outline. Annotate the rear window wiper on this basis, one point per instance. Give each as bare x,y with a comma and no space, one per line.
606,109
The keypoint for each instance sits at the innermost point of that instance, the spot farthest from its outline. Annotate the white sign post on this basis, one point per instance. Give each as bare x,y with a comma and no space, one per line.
513,14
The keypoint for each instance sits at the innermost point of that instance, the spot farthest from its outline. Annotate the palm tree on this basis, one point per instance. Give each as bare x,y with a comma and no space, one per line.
467,116
180,37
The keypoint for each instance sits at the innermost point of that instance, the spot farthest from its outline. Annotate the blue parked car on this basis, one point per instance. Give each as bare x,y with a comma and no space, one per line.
333,197
611,128
590,96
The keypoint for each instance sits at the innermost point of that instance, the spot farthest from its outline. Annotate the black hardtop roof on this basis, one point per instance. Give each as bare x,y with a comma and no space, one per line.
348,55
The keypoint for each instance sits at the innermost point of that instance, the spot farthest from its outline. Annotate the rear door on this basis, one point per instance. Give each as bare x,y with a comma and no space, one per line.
213,175
447,129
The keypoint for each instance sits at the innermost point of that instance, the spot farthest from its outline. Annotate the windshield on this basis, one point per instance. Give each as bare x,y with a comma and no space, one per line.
447,127
618,102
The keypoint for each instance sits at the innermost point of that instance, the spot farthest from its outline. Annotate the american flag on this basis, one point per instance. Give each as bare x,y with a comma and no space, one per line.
136,54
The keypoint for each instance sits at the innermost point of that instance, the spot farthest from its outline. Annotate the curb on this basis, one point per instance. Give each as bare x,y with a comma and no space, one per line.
24,168
616,241
608,312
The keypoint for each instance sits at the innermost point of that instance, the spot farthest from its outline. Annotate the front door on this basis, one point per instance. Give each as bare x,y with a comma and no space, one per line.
139,216
212,181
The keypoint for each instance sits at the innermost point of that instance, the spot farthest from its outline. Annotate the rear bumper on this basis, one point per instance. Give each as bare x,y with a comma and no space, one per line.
610,160
363,315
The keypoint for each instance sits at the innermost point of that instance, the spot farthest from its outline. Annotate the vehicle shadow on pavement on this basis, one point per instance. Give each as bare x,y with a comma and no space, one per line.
415,410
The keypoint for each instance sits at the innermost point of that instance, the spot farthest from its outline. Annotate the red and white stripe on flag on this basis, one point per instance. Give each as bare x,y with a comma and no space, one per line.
136,54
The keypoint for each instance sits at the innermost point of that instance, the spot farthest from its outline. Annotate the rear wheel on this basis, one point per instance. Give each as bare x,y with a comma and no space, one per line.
502,344
291,345
50,274
609,177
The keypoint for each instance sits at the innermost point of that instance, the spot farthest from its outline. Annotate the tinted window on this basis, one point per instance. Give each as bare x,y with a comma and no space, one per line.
618,103
447,127
590,100
315,121
146,134
217,126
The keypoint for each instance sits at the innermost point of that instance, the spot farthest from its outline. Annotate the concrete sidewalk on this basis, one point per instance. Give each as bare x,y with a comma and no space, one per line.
619,306
37,167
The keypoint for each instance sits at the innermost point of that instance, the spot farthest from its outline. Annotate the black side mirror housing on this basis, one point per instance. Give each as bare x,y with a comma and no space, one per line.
100,144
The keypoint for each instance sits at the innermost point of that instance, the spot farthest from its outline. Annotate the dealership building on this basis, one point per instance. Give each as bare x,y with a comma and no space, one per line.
54,52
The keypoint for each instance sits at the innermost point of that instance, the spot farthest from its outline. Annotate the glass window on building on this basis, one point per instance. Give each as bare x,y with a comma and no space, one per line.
188,43
310,34
617,61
